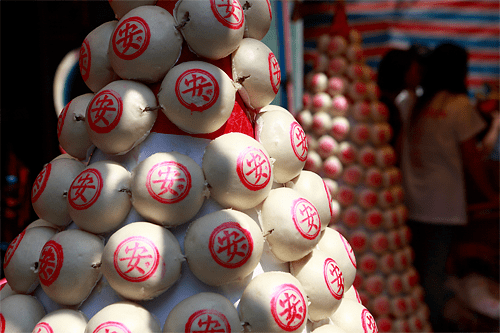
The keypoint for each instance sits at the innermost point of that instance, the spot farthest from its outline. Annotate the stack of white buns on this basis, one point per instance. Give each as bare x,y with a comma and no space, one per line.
349,141
181,203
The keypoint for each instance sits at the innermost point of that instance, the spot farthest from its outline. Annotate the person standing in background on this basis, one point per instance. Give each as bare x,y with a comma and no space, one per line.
398,77
439,145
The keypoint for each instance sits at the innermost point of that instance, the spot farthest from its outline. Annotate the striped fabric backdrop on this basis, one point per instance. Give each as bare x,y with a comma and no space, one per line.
386,24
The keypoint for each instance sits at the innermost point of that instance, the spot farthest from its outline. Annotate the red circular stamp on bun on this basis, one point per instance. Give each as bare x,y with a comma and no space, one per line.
111,327
168,182
274,72
207,320
136,258
61,118
333,278
85,189
228,12
84,60
230,245
369,325
288,307
43,327
298,140
253,168
349,250
197,89
40,183
105,111
131,38
11,249
2,324
306,218
51,261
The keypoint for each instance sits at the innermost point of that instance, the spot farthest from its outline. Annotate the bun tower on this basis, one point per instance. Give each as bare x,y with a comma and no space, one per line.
350,148
181,202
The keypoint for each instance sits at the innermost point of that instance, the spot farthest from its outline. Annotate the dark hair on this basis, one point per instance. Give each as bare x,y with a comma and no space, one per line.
446,71
392,70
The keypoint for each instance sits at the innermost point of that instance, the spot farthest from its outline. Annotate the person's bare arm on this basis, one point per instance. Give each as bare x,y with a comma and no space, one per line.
491,137
473,164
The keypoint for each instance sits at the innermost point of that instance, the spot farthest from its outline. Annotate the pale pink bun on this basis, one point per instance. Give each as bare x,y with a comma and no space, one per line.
352,216
322,122
392,176
373,91
123,316
332,167
366,156
340,128
69,266
260,308
358,90
305,119
368,263
337,66
379,242
99,197
206,252
228,168
373,177
189,314
50,189
336,85
381,305
373,219
313,188
361,111
317,82
354,53
327,146
379,111
346,195
71,131
395,285
340,105
323,282
399,309
384,324
154,274
348,153
132,111
284,140
291,224
374,284
256,69
95,67
337,46
395,242
386,263
335,245
381,134
385,199
367,198
360,133
359,242
321,102
258,18
197,111
353,174
156,44
313,162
